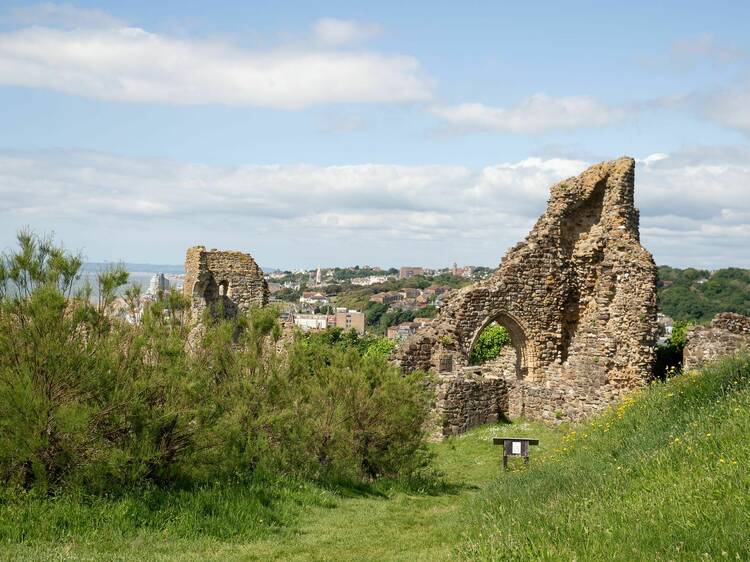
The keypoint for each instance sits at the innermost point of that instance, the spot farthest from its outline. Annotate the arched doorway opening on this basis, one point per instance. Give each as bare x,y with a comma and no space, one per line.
501,344
228,306
224,289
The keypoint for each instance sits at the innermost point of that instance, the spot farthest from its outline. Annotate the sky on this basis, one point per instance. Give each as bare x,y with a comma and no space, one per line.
380,133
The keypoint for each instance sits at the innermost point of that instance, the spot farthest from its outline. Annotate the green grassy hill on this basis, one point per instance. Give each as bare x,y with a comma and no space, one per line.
664,476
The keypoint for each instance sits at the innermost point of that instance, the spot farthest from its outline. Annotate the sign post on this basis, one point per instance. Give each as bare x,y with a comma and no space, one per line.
515,447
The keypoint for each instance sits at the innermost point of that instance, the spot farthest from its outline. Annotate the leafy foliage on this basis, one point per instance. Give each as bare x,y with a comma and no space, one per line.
489,344
369,346
669,356
697,295
380,347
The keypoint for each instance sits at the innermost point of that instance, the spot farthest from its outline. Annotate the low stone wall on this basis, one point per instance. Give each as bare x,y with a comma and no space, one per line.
571,402
472,396
732,322
728,333
468,399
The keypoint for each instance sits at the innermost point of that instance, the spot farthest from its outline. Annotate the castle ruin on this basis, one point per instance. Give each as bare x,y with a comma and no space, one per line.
223,281
578,298
727,334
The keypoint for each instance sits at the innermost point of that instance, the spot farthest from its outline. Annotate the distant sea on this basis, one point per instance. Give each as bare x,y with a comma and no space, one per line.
140,273
150,268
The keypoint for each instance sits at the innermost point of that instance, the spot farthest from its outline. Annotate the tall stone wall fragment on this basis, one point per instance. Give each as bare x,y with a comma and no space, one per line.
578,297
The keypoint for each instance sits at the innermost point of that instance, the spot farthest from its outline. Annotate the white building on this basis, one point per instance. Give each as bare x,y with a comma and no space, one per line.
371,280
312,298
311,321
158,283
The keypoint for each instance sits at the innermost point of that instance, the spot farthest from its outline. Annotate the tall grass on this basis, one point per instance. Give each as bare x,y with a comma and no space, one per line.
222,511
662,476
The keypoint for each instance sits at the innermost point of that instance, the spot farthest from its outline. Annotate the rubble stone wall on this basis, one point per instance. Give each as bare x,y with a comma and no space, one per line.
468,399
230,279
578,297
728,333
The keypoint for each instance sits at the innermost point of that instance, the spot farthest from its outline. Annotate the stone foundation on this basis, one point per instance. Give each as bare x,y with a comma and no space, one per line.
469,399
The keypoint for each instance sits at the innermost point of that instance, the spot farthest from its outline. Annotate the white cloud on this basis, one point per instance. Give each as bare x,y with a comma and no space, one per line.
687,53
694,211
535,114
134,65
652,158
694,187
336,32
729,107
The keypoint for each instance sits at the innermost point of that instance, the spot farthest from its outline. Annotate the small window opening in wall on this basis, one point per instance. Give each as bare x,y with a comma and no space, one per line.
224,290
446,363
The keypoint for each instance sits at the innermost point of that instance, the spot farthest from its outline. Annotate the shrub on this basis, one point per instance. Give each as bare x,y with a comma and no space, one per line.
380,347
489,344
89,401
669,356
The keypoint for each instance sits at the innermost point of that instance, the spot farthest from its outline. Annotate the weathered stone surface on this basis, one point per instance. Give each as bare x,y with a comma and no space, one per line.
728,333
227,281
578,297
469,398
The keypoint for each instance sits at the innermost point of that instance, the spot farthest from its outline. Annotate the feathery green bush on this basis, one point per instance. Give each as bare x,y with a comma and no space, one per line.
88,401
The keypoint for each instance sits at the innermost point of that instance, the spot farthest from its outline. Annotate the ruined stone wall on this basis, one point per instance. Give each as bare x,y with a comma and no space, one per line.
226,281
728,333
732,322
468,399
578,297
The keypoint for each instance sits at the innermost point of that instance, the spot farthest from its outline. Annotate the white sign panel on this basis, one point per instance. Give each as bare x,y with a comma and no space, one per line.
515,447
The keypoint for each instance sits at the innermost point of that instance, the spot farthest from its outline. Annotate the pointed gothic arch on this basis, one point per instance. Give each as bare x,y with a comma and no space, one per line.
526,354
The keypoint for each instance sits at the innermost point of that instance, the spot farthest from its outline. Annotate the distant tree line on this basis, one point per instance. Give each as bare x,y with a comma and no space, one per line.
349,273
697,295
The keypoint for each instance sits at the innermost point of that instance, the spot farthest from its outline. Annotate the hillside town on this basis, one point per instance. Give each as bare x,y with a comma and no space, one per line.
394,303
361,297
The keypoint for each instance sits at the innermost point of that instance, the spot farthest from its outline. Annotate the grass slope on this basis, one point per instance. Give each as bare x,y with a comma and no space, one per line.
664,476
